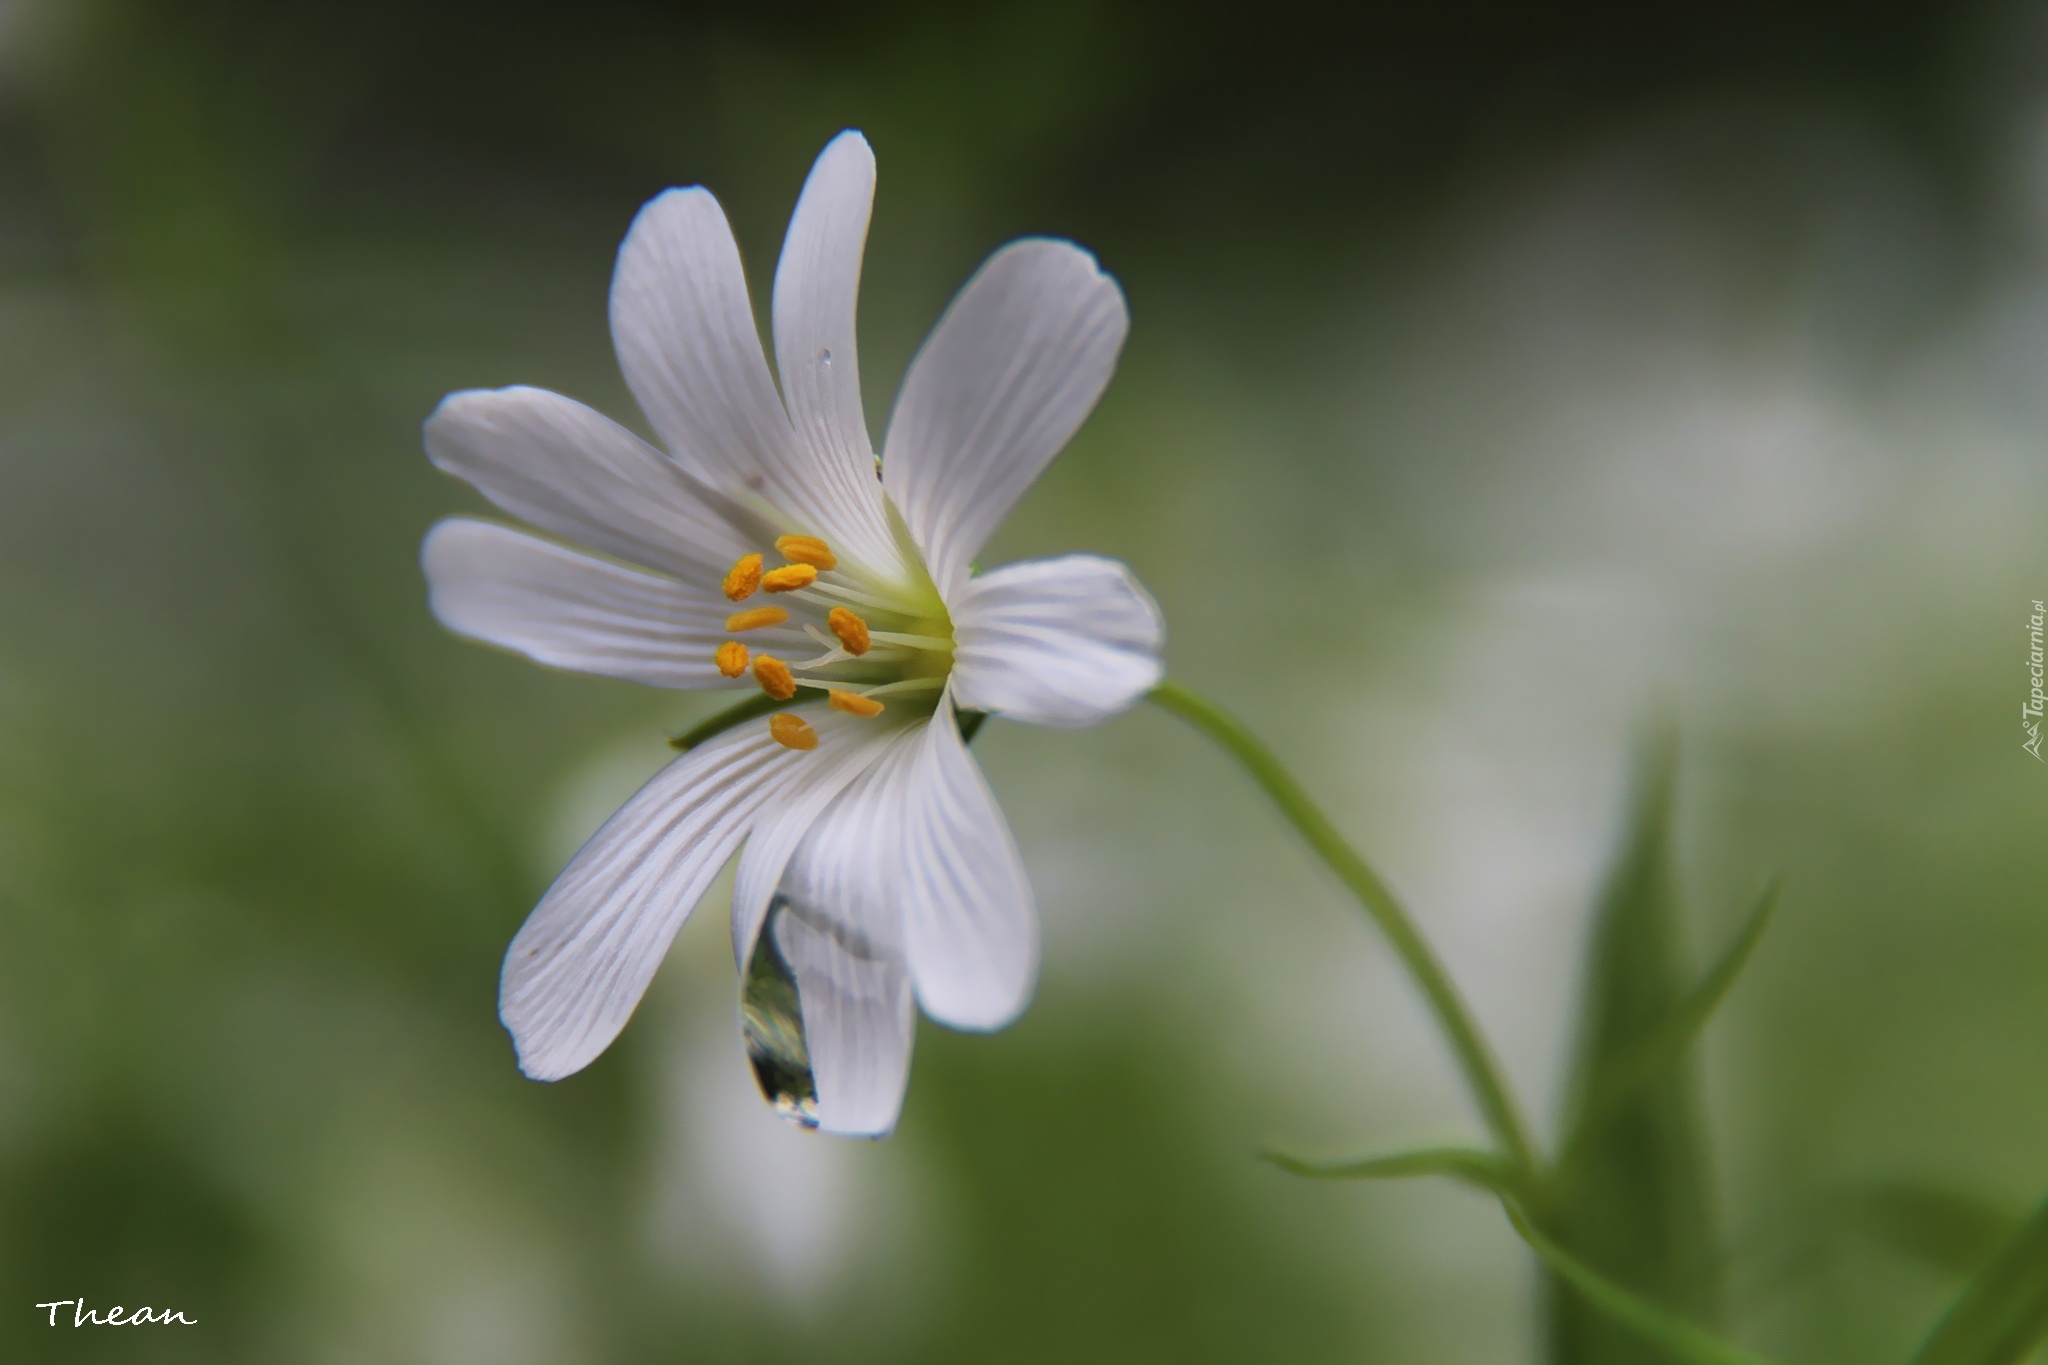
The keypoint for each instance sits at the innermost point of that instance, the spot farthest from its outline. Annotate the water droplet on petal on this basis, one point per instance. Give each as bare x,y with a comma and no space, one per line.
825,359
772,1021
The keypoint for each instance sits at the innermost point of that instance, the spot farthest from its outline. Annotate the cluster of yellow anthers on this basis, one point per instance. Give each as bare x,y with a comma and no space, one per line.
808,557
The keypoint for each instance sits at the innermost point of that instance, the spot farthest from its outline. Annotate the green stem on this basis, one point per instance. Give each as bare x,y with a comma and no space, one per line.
1475,1058
1677,1336
753,708
760,704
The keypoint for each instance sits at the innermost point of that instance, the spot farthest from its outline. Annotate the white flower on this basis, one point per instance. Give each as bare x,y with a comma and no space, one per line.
875,854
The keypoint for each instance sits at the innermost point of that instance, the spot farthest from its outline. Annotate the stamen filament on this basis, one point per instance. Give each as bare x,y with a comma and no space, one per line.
822,684
822,594
879,656
927,642
907,685
874,656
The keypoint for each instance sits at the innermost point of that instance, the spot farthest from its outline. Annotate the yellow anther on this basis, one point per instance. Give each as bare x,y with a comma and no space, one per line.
744,578
807,550
774,677
788,578
753,618
732,658
792,732
854,704
851,630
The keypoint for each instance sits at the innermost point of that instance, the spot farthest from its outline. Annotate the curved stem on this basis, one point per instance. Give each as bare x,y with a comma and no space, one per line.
1475,1058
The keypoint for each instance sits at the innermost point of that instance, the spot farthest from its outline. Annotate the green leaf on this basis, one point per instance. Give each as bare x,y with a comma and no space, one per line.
1468,1165
1497,1176
2003,1312
1630,1197
1664,1046
1676,1338
1946,1229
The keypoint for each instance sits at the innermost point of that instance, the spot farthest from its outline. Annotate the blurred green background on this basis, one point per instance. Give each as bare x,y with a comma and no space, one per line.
1502,376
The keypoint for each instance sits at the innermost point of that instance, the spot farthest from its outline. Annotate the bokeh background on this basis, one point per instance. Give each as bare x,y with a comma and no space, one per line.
1503,377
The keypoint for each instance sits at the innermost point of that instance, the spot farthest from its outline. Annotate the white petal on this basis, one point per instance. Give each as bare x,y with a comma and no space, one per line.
779,831
1002,383
582,476
685,333
817,287
839,925
973,930
1066,641
583,959
558,607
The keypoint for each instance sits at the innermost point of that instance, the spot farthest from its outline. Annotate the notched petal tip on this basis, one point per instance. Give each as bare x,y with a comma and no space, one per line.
535,1069
441,431
1041,255
457,433
1005,379
531,1049
459,402
1063,642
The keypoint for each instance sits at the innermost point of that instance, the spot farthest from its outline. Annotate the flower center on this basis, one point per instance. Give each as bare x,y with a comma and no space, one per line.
875,642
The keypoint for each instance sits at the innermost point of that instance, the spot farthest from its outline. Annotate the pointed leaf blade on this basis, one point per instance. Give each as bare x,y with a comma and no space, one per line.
2003,1312
1664,1046
1630,1197
1940,1227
